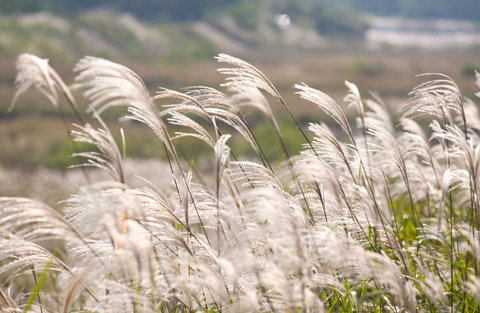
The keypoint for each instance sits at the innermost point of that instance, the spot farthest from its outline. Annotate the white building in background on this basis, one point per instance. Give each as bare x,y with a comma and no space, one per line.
429,34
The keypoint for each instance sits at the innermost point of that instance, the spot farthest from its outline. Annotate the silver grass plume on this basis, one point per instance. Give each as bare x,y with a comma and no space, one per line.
244,77
251,96
33,71
473,114
436,97
248,96
182,120
328,105
222,152
392,149
354,100
224,108
467,152
169,94
245,74
213,104
109,84
331,149
211,98
247,80
153,120
238,124
109,157
378,113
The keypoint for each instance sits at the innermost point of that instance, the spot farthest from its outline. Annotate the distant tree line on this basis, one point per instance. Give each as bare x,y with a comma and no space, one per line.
151,10
326,16
195,9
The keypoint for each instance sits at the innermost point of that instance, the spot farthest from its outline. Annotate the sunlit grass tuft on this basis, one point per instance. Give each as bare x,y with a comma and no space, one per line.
385,220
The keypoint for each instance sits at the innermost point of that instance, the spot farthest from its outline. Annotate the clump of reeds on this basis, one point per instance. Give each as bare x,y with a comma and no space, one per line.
387,221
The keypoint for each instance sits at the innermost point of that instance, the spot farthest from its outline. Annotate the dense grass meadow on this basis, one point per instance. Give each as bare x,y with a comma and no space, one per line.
368,216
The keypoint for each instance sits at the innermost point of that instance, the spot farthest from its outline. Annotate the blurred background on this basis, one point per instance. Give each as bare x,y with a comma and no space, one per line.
378,45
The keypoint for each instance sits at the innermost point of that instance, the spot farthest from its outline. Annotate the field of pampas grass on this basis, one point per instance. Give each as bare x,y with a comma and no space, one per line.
387,221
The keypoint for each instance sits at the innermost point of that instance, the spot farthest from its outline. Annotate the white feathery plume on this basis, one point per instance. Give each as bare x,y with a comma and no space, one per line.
354,100
237,123
155,203
252,174
392,150
437,132
477,82
460,148
378,114
411,126
318,176
36,72
251,96
222,160
435,97
33,220
182,120
330,149
473,286
248,96
19,256
217,104
473,114
466,152
169,94
421,156
109,157
225,116
327,104
244,78
110,84
245,74
211,98
8,303
154,121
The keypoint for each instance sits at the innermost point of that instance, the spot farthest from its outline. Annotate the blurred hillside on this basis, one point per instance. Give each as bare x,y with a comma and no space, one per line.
249,14
172,44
